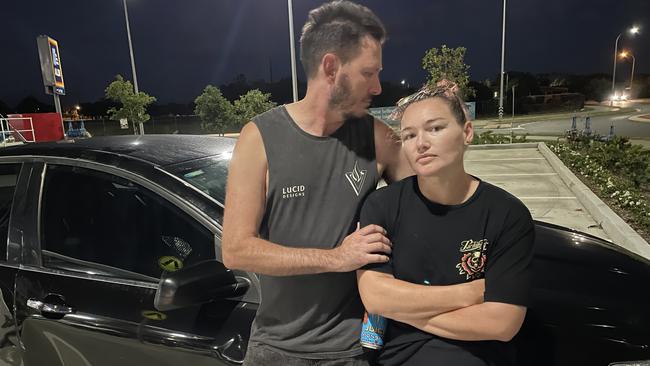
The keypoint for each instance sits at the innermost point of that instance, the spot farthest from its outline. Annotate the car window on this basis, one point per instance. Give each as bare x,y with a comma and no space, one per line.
207,174
99,223
8,178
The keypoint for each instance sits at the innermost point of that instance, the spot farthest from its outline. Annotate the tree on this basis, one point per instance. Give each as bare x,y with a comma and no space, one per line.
134,106
4,108
238,86
250,105
99,108
482,91
598,89
31,104
525,83
216,112
448,63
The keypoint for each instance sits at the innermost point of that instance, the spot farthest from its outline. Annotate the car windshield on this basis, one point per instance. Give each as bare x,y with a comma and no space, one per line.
207,174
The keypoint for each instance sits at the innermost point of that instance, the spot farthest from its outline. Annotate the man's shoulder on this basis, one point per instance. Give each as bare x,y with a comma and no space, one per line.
380,126
269,115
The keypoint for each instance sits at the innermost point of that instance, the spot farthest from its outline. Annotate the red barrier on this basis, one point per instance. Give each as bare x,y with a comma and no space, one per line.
47,126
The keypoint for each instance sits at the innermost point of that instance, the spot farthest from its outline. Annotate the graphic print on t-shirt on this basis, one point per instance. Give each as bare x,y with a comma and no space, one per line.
473,258
356,177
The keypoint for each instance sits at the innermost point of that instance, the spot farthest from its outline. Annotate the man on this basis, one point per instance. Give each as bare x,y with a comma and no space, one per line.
297,178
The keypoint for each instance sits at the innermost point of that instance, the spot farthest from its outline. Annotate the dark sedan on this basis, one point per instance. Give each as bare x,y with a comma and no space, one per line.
111,256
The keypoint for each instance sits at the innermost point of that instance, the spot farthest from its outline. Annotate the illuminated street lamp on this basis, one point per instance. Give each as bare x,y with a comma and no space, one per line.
633,30
626,54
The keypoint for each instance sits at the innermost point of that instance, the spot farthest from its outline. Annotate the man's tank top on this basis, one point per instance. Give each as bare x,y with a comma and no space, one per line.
316,188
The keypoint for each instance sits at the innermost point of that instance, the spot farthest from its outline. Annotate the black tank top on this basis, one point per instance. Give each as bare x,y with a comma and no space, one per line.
316,188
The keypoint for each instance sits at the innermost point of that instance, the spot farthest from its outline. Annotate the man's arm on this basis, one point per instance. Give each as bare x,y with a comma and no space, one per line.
486,321
391,162
407,302
245,203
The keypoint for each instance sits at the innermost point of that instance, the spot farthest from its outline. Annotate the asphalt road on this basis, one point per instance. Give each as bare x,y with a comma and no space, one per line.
623,126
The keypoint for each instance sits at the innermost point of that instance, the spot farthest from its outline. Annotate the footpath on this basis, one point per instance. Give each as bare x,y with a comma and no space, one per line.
552,193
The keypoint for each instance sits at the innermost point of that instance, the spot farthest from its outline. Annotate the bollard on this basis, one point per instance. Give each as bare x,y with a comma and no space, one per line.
587,126
574,125
611,132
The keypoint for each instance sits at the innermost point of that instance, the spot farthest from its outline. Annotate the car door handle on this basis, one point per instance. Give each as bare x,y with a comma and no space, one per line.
44,307
234,344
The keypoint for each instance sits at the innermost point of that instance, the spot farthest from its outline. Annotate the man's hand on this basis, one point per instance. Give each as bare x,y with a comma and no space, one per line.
364,246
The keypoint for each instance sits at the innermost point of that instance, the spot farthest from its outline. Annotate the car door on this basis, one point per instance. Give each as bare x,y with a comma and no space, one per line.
10,171
85,295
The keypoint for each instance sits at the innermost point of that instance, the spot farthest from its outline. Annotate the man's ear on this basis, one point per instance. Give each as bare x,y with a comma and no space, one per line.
330,64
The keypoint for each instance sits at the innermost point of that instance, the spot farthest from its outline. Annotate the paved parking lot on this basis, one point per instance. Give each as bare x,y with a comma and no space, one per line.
527,174
551,192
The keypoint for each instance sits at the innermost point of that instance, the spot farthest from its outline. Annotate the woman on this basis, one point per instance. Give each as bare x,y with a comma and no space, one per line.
454,236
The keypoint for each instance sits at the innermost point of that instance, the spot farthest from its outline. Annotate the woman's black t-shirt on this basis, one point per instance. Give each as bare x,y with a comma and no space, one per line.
489,236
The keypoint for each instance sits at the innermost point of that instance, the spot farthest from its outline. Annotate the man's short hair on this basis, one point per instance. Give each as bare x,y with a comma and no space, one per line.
337,27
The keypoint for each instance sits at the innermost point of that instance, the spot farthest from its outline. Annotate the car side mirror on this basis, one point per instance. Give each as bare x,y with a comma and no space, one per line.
196,284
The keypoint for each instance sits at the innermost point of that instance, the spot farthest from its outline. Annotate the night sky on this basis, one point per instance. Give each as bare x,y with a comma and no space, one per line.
181,46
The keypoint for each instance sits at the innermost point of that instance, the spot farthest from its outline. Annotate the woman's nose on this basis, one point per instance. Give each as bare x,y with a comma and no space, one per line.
421,142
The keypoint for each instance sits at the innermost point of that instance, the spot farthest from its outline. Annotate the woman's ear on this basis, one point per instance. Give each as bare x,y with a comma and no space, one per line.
468,133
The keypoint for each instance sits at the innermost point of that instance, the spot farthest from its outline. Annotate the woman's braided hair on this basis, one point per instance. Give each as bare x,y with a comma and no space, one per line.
444,89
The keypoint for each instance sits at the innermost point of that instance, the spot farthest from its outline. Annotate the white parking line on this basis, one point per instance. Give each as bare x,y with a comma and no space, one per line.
517,174
505,159
548,198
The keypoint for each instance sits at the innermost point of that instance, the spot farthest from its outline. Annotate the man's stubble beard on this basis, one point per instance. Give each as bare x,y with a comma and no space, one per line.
341,99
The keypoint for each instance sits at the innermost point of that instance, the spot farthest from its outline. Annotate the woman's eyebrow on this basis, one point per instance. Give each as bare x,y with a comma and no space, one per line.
430,121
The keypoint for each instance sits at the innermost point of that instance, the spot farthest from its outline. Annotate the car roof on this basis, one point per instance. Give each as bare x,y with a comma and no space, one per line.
155,149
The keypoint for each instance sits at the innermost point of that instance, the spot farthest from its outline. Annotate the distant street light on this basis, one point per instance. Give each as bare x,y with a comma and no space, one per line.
135,77
626,54
633,30
503,58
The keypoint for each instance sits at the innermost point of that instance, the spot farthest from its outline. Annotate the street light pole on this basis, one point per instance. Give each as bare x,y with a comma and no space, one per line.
625,54
294,79
135,77
634,30
611,102
503,57
512,131
632,74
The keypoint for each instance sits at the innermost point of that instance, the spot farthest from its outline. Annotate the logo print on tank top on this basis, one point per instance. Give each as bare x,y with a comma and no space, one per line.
356,177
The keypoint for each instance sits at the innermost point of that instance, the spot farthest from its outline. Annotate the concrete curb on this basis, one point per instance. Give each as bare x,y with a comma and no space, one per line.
638,118
552,116
617,229
523,145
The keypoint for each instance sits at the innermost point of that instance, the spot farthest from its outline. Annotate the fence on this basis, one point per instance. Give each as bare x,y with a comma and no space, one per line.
189,125
11,131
